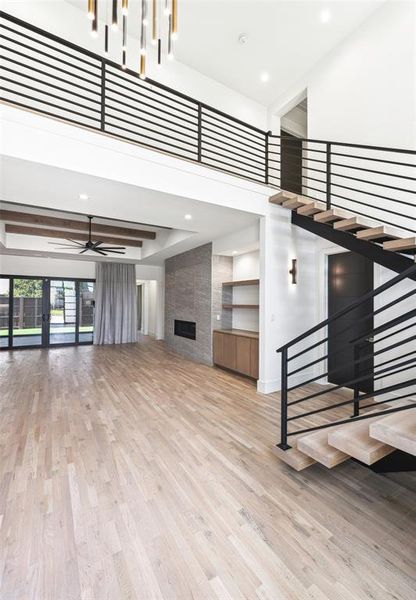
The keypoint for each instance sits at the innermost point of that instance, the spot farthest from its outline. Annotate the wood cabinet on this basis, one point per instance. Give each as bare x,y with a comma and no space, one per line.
237,350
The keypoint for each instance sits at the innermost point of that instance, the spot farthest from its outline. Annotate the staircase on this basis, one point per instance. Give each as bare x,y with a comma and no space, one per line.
378,429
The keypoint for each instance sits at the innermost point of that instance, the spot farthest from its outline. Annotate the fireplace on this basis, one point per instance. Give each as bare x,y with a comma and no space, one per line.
186,329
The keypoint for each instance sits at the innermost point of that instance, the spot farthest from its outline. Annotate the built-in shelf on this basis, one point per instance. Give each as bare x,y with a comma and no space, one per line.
240,306
242,282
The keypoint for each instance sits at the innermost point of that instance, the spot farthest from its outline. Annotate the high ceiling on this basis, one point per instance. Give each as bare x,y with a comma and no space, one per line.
284,38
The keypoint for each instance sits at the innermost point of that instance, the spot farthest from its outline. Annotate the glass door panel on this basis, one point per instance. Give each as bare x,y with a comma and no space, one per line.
4,311
27,312
86,311
62,312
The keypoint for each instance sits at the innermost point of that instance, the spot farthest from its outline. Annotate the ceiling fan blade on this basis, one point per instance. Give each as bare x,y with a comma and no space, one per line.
75,242
95,245
82,251
100,251
113,251
112,248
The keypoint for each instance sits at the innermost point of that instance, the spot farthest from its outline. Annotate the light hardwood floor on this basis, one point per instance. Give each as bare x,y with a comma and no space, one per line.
129,473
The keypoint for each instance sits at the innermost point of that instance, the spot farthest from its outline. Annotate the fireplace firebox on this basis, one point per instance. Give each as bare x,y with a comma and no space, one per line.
186,329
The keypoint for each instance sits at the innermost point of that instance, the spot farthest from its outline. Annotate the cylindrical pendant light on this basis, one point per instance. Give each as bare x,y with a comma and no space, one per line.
170,49
124,7
124,41
91,9
142,66
143,29
106,40
94,27
174,19
114,16
123,66
154,22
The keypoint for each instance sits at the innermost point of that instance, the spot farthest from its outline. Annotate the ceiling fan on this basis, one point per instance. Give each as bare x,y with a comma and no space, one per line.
90,245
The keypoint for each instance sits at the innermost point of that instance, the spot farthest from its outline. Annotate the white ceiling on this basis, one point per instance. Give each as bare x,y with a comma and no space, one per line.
36,185
285,38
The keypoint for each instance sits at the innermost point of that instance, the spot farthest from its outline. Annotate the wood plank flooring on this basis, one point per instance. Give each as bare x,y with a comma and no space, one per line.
127,472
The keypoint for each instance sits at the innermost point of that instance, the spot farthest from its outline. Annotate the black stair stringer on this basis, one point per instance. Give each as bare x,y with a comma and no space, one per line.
391,260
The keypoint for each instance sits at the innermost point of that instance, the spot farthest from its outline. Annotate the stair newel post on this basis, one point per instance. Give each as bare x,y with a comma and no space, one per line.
283,403
328,175
356,388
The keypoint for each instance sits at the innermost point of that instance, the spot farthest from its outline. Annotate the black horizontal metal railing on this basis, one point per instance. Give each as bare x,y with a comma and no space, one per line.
44,73
374,182
383,352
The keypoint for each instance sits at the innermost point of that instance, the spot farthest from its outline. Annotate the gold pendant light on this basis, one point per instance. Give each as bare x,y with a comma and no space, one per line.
159,16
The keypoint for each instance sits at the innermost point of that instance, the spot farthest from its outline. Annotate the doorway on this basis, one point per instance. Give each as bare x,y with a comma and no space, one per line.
350,276
42,312
293,130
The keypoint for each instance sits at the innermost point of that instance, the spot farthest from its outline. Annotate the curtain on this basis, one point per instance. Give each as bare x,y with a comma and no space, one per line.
115,319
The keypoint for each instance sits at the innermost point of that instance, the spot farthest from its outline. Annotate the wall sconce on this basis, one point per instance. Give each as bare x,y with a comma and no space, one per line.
294,270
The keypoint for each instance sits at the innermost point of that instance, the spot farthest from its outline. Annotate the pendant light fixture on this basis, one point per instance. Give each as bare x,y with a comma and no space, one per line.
158,20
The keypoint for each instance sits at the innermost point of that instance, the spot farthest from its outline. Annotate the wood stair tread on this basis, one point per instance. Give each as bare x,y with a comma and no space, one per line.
379,233
328,216
282,197
351,224
297,202
397,430
400,244
311,208
316,446
354,439
294,458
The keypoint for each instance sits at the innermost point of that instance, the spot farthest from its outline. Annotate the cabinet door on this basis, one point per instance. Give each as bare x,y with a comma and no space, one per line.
218,348
243,355
254,358
229,351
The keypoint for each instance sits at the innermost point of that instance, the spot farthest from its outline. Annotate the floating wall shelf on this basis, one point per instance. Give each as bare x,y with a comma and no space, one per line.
240,306
242,282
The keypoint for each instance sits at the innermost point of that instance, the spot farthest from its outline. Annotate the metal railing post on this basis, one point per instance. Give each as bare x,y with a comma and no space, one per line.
102,126
283,403
356,358
328,176
199,132
266,158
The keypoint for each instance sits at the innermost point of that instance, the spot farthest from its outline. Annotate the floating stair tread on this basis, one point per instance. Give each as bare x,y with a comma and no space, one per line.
354,439
350,224
397,430
282,197
400,244
293,203
294,458
328,216
310,209
375,233
316,446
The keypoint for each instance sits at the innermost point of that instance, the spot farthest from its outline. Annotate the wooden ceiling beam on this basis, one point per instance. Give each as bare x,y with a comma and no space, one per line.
63,223
67,235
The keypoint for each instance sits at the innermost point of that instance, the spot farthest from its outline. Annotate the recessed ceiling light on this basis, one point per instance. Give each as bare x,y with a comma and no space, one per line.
325,16
242,38
234,251
264,77
188,217
83,196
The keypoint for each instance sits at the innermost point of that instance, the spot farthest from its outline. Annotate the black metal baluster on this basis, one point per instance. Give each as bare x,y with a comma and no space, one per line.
283,403
102,95
199,132
328,176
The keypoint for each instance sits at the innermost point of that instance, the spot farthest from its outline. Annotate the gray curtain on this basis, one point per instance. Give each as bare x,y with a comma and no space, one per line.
115,320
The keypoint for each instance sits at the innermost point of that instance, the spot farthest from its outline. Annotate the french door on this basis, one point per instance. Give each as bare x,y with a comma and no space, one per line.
43,312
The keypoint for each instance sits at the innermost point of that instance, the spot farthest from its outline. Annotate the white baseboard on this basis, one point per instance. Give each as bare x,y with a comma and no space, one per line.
267,387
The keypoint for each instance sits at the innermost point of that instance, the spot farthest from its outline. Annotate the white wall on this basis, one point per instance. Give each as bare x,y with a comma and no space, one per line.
46,267
246,266
287,309
365,92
